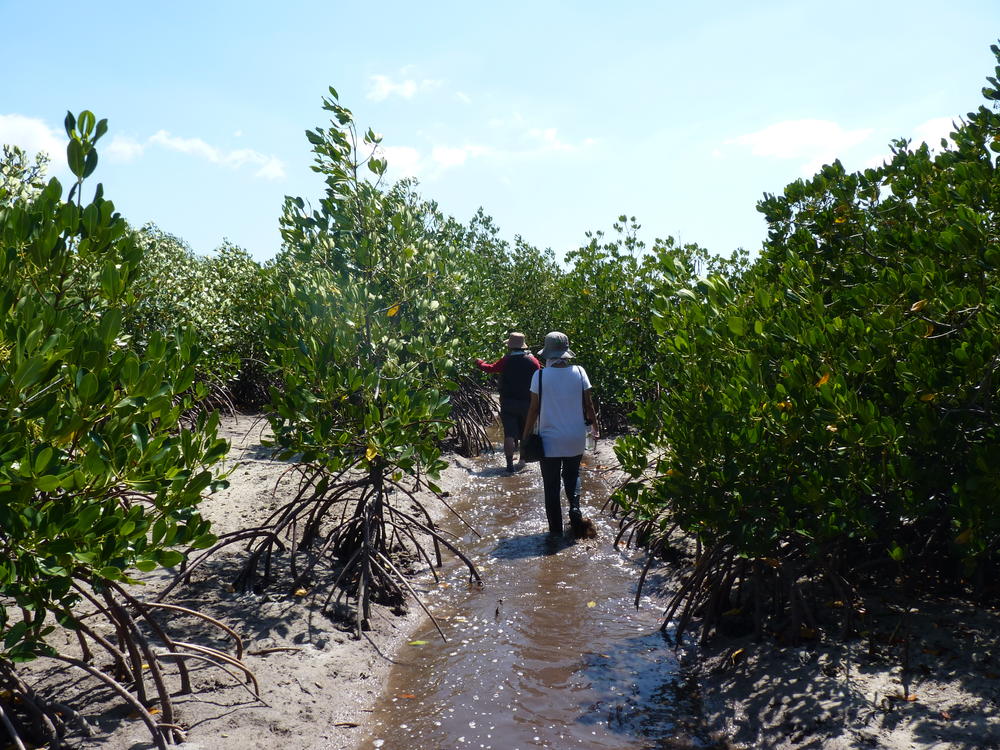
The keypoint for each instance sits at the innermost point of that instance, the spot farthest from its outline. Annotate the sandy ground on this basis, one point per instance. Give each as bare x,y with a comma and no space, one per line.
318,682
924,674
316,679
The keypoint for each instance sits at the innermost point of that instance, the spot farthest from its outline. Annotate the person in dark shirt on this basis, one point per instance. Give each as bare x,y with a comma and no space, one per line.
515,370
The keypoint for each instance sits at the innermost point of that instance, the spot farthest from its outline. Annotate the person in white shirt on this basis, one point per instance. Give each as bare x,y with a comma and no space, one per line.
561,403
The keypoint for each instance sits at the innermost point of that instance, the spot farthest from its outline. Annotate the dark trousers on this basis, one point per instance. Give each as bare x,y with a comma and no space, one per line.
568,468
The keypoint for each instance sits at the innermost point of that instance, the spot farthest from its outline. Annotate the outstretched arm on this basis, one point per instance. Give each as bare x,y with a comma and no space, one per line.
493,367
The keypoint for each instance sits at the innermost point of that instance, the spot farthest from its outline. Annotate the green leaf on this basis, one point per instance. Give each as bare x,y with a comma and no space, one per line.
43,459
169,558
75,157
90,163
110,572
85,122
140,435
47,483
88,387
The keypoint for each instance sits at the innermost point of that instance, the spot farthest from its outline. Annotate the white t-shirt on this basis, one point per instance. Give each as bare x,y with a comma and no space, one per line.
561,422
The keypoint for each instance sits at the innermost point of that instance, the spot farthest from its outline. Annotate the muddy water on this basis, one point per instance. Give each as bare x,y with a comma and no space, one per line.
551,652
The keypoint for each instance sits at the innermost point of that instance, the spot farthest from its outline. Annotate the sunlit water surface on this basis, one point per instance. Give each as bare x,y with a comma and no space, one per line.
550,652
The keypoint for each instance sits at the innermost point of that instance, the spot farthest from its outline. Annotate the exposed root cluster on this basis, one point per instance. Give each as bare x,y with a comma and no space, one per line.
131,660
348,537
725,592
473,411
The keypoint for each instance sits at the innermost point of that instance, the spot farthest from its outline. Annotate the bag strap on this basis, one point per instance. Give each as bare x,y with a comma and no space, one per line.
538,420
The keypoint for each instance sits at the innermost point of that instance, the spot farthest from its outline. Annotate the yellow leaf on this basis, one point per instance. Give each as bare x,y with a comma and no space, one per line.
928,396
928,330
733,657
393,310
823,380
673,473
371,452
591,604
918,305
418,643
301,592
964,537
840,220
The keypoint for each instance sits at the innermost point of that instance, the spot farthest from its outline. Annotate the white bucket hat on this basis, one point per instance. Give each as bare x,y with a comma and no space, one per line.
556,346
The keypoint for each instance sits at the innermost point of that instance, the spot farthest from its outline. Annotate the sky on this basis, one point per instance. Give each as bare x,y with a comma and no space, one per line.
554,117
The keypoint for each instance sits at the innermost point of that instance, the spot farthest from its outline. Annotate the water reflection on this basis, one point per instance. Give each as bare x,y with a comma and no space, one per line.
549,653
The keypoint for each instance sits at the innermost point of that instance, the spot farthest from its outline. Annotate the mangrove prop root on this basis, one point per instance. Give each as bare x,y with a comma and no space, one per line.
12,733
180,657
160,739
402,579
473,409
237,641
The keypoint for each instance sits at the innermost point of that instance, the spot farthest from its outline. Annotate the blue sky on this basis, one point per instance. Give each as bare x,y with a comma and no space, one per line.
555,117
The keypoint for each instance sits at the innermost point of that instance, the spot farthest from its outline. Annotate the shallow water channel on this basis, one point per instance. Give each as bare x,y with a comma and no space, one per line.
550,653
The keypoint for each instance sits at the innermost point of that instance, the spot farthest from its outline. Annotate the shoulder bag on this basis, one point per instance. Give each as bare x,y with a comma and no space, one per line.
532,449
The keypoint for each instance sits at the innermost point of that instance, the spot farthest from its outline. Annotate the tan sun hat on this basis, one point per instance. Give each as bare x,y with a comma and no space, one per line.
516,340
556,346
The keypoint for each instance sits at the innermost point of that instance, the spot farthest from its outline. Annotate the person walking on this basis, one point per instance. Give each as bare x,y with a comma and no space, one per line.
561,403
515,369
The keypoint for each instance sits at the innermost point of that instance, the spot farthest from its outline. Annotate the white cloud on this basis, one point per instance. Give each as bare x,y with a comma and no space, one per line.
448,156
272,169
403,161
383,87
932,131
815,142
454,156
194,146
463,97
124,149
32,135
549,141
269,167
